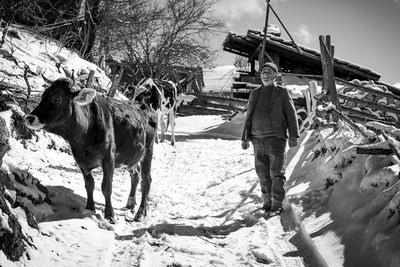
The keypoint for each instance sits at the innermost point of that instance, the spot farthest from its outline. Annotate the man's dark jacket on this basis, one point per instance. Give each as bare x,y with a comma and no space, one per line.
283,113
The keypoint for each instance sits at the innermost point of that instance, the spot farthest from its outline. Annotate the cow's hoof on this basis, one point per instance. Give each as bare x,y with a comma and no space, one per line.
129,216
91,208
109,215
139,217
111,220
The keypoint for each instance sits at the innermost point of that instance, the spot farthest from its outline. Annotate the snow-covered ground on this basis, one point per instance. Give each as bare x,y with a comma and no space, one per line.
202,212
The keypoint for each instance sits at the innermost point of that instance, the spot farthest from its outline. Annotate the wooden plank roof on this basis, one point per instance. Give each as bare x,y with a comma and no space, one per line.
246,45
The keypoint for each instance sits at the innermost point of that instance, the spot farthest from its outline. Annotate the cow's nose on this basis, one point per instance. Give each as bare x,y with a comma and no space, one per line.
30,119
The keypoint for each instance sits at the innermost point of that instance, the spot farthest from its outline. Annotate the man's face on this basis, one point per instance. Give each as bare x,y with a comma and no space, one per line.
268,74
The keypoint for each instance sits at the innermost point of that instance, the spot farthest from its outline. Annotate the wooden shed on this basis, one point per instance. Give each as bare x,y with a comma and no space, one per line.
292,61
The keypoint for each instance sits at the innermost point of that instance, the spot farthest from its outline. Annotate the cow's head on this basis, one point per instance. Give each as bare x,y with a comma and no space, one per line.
154,98
57,103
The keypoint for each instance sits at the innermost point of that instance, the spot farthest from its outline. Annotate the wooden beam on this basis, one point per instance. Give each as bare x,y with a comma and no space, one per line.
394,147
368,90
288,33
198,110
363,120
229,107
255,53
327,51
264,41
360,114
369,104
391,88
222,99
373,151
346,119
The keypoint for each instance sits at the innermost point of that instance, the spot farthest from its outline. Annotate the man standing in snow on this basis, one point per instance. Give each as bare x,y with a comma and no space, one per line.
270,117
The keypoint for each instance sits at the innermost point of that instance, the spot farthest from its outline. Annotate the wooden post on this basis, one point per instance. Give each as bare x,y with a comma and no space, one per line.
178,82
262,51
26,69
252,67
313,93
115,83
288,33
310,95
90,79
327,56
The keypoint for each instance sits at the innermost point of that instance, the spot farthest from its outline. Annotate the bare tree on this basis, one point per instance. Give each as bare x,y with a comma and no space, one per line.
156,36
151,36
120,20
73,22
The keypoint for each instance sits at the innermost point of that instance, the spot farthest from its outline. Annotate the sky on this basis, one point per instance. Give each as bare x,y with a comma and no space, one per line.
364,32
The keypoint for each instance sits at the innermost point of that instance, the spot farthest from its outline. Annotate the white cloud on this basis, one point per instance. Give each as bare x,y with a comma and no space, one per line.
303,32
237,9
397,85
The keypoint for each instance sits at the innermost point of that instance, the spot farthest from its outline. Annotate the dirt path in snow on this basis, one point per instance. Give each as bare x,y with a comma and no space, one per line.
196,185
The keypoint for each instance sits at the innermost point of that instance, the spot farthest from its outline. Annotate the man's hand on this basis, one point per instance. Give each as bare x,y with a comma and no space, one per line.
245,144
292,142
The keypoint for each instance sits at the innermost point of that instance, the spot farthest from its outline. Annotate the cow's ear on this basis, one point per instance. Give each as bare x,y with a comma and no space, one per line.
85,96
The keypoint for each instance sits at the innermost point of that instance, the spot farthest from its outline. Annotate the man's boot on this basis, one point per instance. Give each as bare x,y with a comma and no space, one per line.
267,202
278,194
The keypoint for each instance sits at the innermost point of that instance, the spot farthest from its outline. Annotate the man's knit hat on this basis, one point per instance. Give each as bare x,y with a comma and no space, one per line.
271,65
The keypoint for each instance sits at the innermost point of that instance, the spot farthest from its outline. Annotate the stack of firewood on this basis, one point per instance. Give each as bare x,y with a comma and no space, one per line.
365,100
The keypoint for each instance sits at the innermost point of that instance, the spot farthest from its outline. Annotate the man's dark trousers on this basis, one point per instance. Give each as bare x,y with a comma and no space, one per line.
270,155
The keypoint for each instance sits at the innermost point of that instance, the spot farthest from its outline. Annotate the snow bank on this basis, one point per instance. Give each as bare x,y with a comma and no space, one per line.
46,58
350,204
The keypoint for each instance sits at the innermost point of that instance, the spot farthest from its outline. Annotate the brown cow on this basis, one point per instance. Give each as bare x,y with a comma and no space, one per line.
102,132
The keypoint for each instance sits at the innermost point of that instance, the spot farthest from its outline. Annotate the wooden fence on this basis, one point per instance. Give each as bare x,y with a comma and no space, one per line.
208,104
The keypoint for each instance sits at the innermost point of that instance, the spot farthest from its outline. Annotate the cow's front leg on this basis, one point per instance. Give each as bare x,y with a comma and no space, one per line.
162,127
156,137
145,183
171,117
106,187
89,186
134,173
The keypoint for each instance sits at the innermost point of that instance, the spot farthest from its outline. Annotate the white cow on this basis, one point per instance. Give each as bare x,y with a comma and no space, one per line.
168,104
